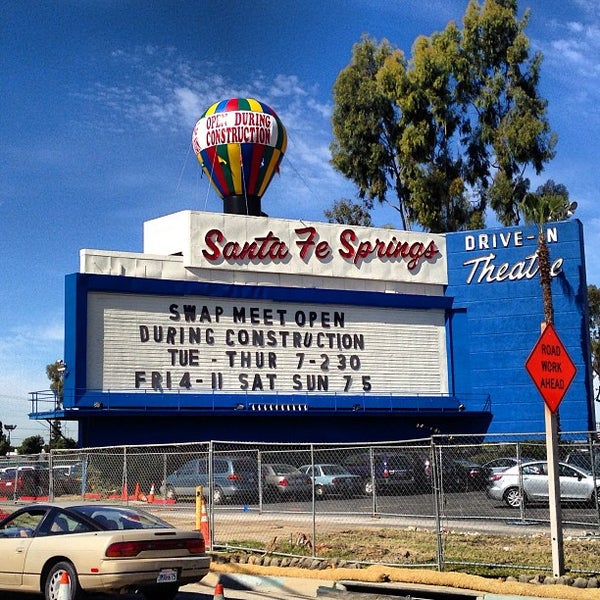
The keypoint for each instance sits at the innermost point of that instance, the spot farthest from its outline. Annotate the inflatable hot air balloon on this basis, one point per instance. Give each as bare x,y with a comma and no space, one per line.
239,143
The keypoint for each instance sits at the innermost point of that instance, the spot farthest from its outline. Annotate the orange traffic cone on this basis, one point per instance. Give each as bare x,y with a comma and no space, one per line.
150,496
205,528
64,587
136,492
124,494
219,592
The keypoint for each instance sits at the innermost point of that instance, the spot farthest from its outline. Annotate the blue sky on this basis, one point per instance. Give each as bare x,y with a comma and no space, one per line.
99,99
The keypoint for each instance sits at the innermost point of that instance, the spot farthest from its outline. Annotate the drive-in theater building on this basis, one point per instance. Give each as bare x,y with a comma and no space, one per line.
244,327
253,328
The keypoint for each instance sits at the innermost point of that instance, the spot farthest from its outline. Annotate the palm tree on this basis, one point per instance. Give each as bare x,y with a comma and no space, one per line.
550,203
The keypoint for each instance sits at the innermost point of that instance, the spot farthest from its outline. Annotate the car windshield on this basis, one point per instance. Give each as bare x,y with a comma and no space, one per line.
108,517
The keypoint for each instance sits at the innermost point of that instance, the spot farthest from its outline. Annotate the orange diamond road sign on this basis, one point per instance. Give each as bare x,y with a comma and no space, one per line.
551,368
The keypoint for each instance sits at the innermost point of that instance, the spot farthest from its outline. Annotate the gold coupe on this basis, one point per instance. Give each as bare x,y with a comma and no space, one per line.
102,548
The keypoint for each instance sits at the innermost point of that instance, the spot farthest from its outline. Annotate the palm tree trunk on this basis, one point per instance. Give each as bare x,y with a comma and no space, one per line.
545,279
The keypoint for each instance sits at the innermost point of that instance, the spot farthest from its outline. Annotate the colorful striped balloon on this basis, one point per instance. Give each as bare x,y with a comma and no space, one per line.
239,143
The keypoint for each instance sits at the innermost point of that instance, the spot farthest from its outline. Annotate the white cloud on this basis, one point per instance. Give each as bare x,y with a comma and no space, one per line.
286,86
189,102
573,47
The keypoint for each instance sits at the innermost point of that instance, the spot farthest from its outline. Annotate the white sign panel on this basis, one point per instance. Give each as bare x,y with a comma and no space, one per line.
262,244
199,344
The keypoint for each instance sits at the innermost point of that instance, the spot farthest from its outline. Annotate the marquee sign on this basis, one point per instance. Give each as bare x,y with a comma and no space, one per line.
198,344
268,245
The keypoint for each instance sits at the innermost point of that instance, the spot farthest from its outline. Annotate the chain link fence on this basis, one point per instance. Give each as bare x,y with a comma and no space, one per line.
317,500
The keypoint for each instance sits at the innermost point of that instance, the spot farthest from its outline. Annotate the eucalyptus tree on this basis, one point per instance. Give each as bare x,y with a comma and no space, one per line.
452,130
346,212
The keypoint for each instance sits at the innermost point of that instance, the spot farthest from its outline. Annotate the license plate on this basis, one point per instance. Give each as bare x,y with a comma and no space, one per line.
167,576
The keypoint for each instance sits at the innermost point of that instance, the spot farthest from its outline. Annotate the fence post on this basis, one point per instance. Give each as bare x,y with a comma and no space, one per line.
261,489
373,480
164,477
125,485
314,500
520,466
51,476
84,469
211,487
437,500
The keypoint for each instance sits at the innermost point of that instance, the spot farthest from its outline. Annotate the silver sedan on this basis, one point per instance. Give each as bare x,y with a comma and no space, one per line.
529,483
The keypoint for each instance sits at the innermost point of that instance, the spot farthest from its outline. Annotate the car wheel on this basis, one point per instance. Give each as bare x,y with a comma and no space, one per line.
595,495
170,493
161,592
52,587
319,491
217,496
512,497
368,487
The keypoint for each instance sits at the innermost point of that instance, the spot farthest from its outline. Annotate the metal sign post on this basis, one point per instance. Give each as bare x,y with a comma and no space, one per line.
556,531
552,371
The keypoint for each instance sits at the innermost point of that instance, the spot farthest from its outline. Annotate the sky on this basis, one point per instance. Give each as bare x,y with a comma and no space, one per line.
98,99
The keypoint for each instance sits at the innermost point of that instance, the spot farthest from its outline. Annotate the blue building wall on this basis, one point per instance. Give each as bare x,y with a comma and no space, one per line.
496,321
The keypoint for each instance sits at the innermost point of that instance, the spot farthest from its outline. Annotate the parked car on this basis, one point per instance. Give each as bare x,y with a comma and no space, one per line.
66,482
280,481
103,549
576,485
497,465
12,471
34,483
391,472
234,478
332,479
476,475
